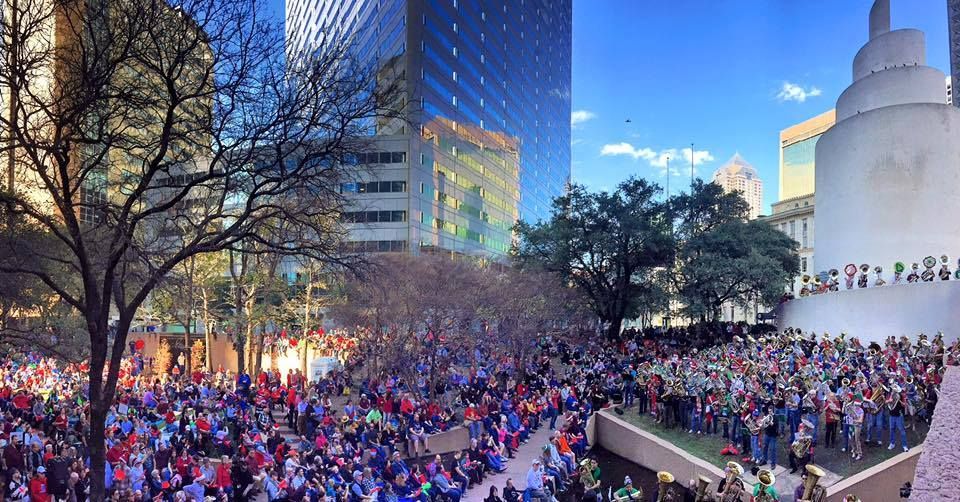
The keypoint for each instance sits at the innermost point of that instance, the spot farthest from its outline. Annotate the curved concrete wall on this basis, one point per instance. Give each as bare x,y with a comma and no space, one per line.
893,48
896,86
884,174
872,314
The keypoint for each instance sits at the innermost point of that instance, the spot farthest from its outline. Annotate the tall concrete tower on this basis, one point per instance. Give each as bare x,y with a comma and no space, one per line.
888,171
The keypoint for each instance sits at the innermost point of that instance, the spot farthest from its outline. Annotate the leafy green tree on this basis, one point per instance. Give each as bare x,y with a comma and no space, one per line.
722,257
608,244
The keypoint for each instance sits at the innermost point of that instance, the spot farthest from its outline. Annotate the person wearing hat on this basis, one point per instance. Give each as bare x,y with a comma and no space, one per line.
535,486
38,486
854,417
628,492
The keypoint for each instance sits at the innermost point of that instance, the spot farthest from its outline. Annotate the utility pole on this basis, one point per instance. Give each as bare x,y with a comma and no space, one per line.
668,177
691,168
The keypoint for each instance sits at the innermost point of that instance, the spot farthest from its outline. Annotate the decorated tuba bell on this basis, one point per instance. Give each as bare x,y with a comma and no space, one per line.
664,479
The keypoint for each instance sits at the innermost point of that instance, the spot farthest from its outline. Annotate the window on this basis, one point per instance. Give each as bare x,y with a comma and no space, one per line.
803,226
374,187
803,264
374,217
793,229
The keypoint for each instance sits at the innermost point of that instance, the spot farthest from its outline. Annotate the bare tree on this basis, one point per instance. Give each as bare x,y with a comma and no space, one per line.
139,134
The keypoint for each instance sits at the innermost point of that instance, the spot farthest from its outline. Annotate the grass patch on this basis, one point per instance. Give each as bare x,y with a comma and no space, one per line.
707,447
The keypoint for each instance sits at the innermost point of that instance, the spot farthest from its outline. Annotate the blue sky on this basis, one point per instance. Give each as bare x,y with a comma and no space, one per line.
713,73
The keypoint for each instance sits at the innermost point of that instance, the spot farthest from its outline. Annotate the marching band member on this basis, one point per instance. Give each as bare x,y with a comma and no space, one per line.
896,408
802,447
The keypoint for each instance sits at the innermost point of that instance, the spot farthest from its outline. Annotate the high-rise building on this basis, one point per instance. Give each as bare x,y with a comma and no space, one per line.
738,175
488,141
797,145
953,22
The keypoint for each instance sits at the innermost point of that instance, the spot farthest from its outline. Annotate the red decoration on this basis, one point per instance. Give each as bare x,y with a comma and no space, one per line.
293,342
283,333
320,332
139,344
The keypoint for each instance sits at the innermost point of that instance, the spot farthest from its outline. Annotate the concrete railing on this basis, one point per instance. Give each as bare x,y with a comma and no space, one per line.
454,439
637,445
880,482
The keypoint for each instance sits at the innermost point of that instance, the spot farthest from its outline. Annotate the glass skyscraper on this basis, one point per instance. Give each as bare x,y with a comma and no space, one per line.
489,140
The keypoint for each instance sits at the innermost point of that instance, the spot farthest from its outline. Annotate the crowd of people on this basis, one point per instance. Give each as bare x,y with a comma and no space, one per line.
220,436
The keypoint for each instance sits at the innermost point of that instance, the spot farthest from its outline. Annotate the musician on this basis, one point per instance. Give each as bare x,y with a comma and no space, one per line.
896,408
793,411
872,417
628,492
771,433
802,447
754,430
811,410
855,420
832,414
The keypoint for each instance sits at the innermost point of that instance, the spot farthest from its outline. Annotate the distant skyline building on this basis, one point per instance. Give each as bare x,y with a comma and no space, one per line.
488,142
953,28
797,145
738,175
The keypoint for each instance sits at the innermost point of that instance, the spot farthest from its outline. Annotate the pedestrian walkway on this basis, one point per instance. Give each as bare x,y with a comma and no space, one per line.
517,467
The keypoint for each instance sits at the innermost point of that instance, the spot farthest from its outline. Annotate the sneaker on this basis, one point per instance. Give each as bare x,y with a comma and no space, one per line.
793,470
690,431
843,450
905,449
890,447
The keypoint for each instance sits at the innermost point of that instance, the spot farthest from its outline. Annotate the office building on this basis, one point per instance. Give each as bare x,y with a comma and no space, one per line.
737,175
797,145
488,141
794,217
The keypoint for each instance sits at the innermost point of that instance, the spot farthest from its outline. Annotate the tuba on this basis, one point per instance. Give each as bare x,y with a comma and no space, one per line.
731,490
879,394
664,479
702,483
814,474
801,446
762,492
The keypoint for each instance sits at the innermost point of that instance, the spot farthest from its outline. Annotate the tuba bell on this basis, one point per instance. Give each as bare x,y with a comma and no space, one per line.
814,474
702,483
767,480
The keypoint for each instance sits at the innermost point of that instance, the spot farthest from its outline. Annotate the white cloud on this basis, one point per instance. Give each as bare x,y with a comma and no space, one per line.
657,158
581,116
796,92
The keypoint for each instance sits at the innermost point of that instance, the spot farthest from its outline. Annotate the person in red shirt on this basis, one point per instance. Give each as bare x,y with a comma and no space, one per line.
38,486
223,476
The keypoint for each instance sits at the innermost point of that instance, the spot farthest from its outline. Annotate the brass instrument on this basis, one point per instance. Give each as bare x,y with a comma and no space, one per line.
752,425
814,474
702,483
766,479
664,479
801,445
731,490
879,394
845,382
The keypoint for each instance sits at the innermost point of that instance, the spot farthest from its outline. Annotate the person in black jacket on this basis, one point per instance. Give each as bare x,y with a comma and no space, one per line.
510,492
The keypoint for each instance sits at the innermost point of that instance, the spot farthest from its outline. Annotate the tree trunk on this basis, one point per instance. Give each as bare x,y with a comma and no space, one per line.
613,331
98,451
207,331
241,350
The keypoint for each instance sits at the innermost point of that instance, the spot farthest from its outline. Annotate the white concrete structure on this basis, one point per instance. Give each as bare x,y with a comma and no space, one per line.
886,183
888,171
738,175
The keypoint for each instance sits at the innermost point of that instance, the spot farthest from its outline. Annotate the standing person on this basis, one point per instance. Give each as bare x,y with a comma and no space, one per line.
17,490
832,416
771,434
38,486
896,408
855,417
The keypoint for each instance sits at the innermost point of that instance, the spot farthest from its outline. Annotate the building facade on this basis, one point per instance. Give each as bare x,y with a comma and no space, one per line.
797,146
488,140
737,175
794,217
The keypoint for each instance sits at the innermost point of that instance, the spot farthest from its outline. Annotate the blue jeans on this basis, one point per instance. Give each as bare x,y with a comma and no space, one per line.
696,423
815,420
628,396
846,436
755,447
769,451
793,418
552,413
896,424
476,428
736,429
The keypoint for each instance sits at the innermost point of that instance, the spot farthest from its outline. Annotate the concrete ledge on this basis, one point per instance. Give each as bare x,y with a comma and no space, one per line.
455,439
635,444
880,482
